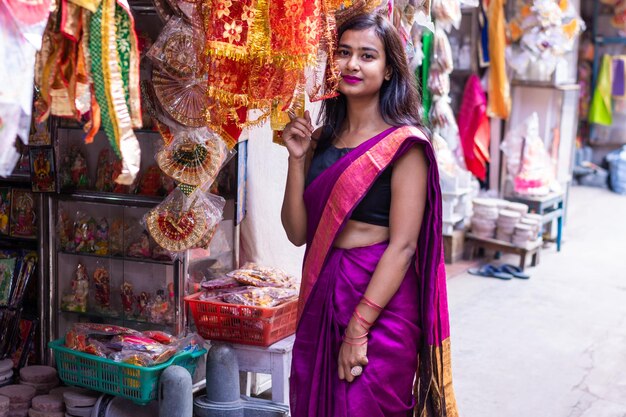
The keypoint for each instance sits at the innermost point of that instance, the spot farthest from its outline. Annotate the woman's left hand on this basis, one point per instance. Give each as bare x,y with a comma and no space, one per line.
351,356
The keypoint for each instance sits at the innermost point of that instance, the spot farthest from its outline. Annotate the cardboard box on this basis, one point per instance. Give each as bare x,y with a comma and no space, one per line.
453,246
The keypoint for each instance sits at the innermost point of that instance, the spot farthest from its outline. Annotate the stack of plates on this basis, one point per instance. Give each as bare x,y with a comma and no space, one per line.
518,207
20,397
42,378
6,372
79,402
485,216
507,220
47,406
523,234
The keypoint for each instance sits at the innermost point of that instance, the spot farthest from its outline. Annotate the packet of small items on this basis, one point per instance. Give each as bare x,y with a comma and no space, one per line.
251,285
122,344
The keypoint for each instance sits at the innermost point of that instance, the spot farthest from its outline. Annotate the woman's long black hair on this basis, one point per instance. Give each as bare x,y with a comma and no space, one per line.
399,100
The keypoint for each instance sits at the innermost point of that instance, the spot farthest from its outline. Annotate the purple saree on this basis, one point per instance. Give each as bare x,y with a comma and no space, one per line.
412,331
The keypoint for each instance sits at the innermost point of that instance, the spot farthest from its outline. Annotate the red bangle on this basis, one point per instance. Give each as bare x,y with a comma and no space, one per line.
370,303
356,337
366,324
352,343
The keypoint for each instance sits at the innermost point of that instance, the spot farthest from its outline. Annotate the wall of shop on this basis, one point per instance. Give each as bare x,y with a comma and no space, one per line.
263,238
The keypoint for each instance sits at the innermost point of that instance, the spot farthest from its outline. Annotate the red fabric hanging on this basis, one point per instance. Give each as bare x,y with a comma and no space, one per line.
474,128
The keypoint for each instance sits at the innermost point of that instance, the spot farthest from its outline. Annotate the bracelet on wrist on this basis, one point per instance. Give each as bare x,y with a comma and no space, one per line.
371,304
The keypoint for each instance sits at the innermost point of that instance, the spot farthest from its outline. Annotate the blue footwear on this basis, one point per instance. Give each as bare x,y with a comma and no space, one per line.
513,270
490,271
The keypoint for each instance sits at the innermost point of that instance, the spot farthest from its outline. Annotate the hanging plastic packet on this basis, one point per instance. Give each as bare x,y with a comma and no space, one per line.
438,82
442,52
441,113
447,13
194,157
180,222
178,49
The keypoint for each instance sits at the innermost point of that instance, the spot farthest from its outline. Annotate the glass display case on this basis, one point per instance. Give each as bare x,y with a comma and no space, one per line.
104,266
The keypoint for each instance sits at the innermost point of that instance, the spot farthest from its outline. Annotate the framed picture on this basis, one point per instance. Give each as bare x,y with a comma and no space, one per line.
7,269
5,209
23,345
23,221
42,169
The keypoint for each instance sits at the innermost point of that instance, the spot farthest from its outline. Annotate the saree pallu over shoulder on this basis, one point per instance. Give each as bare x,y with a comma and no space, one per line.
331,198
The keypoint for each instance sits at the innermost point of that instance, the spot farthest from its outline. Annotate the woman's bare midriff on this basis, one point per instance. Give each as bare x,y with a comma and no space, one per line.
358,234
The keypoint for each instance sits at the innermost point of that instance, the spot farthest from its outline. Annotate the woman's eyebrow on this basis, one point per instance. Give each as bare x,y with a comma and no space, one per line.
364,48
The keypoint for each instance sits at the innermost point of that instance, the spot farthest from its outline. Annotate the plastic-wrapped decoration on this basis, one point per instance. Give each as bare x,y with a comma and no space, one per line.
178,49
180,222
194,157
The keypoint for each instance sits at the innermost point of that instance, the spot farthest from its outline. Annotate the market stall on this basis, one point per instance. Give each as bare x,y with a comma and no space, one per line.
142,213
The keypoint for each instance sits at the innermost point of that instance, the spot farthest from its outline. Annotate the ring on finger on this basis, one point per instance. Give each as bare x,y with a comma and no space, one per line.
356,370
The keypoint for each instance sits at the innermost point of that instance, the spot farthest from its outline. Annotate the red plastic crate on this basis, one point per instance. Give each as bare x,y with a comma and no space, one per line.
243,324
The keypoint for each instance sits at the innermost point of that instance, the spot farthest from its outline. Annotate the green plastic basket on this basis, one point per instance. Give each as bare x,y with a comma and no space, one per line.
137,383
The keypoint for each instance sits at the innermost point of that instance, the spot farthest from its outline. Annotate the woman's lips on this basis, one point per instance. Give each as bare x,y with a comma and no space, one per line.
350,79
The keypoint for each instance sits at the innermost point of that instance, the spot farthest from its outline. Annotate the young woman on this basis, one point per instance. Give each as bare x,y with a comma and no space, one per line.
363,194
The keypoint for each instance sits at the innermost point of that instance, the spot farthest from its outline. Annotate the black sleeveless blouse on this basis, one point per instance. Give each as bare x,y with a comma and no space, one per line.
375,206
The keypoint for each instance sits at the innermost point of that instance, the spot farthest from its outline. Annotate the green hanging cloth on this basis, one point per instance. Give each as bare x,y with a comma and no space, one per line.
601,110
427,98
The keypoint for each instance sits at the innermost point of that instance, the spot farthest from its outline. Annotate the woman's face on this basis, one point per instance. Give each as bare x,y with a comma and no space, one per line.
362,63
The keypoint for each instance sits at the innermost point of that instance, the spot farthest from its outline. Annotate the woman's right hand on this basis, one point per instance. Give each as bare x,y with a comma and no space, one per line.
297,136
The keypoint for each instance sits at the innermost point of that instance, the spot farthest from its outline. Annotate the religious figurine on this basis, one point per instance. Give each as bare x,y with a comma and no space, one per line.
65,172
104,172
140,248
23,216
43,171
102,285
127,297
158,308
84,234
76,300
5,204
64,230
116,237
79,175
142,302
102,237
150,183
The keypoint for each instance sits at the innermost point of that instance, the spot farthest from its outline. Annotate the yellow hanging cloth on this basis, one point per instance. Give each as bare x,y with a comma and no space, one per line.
499,90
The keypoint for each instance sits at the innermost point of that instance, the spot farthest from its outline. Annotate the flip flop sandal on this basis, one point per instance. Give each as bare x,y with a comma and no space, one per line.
513,270
490,271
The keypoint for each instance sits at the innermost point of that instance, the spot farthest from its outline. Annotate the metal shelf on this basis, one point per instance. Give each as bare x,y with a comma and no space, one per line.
127,200
119,258
112,317
17,241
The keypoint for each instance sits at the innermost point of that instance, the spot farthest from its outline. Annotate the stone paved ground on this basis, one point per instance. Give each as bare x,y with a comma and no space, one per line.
553,346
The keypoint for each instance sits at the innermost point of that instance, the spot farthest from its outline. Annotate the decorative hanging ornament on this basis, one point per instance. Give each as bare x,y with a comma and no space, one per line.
115,71
175,228
184,99
181,222
194,157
